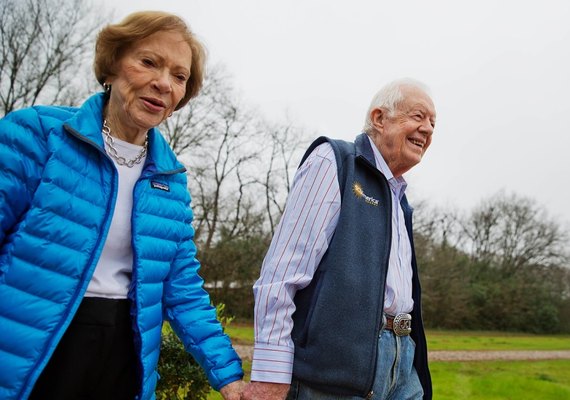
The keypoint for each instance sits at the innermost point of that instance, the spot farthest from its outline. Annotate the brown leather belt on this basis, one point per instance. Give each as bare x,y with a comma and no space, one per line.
401,324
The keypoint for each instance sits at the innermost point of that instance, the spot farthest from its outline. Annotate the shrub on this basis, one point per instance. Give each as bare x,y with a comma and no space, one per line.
181,378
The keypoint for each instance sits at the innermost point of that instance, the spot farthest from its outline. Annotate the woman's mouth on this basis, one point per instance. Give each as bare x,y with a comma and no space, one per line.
154,104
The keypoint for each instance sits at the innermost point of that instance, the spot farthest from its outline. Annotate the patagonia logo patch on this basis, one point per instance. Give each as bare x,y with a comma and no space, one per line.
160,186
359,193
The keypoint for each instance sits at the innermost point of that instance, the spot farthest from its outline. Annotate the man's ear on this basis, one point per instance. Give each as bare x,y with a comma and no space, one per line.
377,116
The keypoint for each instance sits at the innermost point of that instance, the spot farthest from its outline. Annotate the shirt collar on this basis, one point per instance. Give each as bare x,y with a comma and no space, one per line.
398,185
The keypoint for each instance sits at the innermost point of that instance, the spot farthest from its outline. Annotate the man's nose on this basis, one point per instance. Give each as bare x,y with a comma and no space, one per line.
426,128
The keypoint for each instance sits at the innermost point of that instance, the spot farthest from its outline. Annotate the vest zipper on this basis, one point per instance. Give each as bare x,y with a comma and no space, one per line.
379,328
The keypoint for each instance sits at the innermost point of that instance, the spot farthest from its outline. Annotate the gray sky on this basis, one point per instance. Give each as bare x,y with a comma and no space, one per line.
499,73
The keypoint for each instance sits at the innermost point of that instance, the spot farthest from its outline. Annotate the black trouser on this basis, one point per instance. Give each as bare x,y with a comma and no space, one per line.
95,359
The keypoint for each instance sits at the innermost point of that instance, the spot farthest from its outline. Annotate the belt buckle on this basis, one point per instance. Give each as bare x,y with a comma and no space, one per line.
402,324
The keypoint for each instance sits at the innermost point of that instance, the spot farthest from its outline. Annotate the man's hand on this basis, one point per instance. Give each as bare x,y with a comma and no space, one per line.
265,391
232,391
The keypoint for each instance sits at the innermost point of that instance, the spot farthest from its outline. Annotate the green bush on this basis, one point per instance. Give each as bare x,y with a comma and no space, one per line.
181,378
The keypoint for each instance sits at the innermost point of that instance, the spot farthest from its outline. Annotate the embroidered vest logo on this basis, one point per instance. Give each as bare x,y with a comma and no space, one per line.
359,193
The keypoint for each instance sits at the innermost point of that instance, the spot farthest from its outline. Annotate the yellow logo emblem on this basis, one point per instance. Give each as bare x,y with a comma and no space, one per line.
359,193
357,189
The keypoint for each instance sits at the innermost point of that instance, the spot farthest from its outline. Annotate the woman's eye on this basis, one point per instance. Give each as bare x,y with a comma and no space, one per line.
148,62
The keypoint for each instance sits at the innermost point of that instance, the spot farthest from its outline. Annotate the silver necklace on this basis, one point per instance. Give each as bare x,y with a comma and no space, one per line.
112,150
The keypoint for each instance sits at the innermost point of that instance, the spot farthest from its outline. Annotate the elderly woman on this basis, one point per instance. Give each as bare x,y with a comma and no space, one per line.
96,245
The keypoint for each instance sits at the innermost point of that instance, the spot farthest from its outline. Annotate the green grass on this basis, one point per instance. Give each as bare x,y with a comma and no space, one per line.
479,380
240,332
494,380
469,340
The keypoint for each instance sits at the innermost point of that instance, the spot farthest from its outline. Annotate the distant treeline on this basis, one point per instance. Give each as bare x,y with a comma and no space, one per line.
504,266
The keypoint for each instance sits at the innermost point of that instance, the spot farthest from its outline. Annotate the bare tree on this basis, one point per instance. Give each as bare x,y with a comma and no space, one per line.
188,129
440,226
219,139
239,165
239,169
443,266
511,232
281,155
44,46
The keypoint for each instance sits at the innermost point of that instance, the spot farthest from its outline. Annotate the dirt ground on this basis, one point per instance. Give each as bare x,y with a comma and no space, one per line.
246,353
498,355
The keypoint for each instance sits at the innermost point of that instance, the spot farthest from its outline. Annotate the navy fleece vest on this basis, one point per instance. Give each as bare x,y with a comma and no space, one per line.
338,316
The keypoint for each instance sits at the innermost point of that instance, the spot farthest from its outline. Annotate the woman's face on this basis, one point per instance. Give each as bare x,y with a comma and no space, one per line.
150,81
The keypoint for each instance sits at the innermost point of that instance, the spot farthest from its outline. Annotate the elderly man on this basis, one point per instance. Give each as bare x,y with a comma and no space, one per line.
337,305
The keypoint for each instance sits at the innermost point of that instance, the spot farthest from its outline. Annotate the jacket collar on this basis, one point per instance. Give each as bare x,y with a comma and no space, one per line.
364,150
87,123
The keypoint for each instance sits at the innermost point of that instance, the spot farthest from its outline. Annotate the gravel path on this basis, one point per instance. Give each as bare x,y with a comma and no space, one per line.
498,355
246,353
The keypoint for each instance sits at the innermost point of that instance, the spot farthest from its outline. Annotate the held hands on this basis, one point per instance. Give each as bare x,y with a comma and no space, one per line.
233,391
238,390
265,391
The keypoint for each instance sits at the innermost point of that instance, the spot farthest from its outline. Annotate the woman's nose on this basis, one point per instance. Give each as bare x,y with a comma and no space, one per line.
162,82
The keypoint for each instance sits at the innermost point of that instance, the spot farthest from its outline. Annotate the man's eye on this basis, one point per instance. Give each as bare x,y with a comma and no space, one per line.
148,62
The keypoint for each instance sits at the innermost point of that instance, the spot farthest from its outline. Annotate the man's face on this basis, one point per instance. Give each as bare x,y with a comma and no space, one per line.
404,136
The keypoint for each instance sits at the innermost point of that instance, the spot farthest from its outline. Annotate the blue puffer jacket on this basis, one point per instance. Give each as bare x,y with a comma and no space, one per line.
57,196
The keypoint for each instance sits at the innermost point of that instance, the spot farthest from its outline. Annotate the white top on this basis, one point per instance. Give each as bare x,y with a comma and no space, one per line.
301,239
112,276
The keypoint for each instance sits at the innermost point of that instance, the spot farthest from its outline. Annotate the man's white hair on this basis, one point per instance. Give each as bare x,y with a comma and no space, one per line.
390,96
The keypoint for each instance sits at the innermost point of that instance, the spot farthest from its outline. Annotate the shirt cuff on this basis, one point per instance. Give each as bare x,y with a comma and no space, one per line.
272,363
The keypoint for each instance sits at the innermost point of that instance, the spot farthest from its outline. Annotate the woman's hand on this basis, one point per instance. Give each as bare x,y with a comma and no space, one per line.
232,391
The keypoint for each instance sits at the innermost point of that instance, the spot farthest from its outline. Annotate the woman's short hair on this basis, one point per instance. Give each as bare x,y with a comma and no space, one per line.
115,39
389,97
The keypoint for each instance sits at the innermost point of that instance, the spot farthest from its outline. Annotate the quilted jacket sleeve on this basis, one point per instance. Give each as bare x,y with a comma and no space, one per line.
193,317
22,156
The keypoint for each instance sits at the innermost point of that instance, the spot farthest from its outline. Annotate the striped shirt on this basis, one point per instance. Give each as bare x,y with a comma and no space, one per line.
300,241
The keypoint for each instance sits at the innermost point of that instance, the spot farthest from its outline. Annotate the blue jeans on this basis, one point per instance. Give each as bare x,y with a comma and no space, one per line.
396,377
